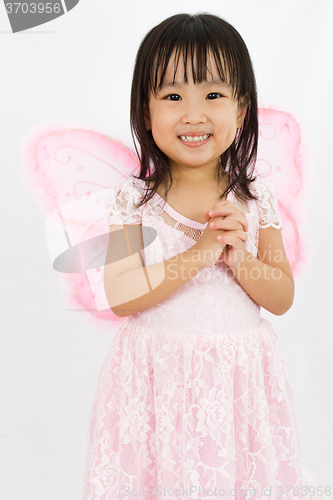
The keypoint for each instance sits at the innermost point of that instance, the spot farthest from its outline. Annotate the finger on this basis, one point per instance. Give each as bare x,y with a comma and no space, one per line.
238,217
225,206
226,225
206,215
232,237
225,210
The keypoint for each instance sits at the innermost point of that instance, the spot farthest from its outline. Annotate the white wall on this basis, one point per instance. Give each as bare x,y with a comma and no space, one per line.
76,72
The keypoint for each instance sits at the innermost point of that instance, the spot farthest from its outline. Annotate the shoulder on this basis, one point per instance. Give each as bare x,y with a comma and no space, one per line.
267,203
130,186
127,192
121,200
261,187
265,193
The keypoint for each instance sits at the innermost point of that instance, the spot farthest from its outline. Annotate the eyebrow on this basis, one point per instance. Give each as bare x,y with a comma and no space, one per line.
206,83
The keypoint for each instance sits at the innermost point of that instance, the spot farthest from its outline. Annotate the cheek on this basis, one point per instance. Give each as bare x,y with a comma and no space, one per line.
162,127
160,136
228,127
232,131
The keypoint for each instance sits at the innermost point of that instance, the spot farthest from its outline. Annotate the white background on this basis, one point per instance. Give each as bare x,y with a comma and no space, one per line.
76,71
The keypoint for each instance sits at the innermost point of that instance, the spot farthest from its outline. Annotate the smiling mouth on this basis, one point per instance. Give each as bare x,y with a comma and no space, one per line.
194,138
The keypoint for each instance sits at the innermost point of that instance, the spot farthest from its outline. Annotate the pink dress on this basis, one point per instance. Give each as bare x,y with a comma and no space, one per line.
193,398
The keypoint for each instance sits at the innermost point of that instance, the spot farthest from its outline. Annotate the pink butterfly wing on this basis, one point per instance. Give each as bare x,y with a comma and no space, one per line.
279,162
71,171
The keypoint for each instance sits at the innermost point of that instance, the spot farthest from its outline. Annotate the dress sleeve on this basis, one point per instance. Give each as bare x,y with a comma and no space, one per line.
267,203
120,203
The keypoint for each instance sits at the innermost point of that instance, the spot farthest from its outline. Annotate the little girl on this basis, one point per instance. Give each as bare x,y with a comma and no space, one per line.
193,399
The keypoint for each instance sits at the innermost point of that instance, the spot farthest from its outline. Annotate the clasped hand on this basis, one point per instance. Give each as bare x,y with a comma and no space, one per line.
232,224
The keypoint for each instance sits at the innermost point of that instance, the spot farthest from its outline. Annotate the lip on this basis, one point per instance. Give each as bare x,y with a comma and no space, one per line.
195,144
193,134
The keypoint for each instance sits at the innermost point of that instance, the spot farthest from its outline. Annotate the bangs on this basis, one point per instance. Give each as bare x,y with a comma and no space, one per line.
199,46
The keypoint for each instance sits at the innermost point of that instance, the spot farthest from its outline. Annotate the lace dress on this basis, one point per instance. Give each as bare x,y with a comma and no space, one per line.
193,399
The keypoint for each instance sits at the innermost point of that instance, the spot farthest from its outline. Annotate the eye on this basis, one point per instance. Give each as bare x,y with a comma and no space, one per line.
214,95
173,97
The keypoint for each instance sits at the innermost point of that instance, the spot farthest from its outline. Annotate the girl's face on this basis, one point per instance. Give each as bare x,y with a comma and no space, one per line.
193,124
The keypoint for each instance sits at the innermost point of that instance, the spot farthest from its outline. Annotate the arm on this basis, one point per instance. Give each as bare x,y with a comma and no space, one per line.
268,278
131,287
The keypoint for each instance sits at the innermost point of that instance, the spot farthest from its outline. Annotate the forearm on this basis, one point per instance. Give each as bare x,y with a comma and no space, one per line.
138,289
269,286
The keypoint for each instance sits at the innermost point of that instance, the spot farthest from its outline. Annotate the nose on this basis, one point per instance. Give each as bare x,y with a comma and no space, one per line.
193,113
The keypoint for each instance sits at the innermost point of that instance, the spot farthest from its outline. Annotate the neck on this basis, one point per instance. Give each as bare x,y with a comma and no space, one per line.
198,179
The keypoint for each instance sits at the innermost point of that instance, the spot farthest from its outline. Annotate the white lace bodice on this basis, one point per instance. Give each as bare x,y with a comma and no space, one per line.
235,310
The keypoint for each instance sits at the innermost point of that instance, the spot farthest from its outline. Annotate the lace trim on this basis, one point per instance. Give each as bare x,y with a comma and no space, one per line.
120,205
194,234
268,210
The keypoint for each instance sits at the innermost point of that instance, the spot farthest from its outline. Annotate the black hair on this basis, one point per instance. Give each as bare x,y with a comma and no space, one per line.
195,37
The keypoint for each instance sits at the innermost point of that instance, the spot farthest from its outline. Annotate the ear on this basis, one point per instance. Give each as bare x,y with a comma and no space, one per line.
242,109
146,117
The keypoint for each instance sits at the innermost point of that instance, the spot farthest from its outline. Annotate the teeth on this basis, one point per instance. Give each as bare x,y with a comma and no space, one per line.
196,138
